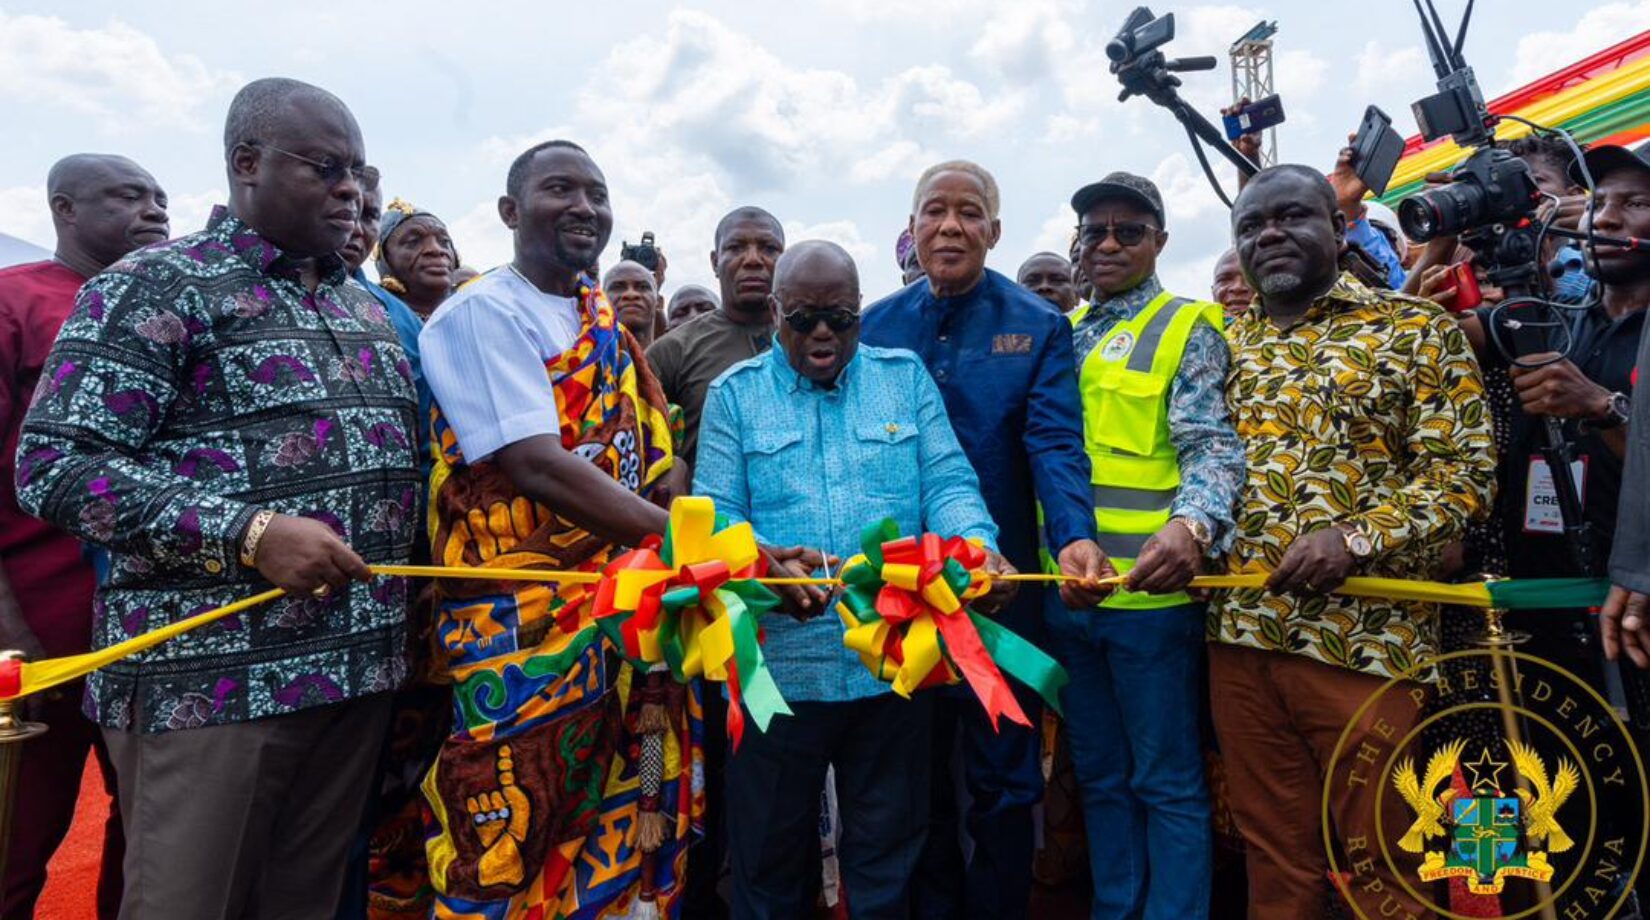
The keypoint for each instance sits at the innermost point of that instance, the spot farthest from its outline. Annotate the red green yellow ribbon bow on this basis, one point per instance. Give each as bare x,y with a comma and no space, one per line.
692,602
905,608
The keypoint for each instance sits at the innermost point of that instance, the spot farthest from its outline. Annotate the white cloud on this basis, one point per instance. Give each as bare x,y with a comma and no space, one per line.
1186,192
719,102
1540,53
116,73
900,159
189,211
1378,67
1055,233
708,118
1189,277
844,233
1024,40
482,239
935,13
1064,128
1301,74
24,214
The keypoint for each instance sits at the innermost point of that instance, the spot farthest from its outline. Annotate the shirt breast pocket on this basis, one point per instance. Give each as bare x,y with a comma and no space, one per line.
776,468
1127,412
887,454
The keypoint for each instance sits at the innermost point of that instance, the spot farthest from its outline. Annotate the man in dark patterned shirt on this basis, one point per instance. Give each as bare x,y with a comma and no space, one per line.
223,412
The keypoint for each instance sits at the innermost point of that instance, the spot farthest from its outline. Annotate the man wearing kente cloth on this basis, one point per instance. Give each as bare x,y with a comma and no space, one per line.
552,448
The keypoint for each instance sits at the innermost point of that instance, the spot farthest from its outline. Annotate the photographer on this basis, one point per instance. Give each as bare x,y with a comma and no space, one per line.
1585,389
1622,208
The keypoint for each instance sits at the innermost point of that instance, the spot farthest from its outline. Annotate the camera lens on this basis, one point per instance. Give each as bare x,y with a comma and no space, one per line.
1418,218
1443,211
1117,49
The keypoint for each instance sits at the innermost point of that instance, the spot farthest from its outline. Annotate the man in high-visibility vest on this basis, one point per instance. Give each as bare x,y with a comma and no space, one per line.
1167,470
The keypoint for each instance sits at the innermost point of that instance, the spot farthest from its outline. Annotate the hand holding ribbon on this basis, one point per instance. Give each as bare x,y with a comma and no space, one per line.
904,606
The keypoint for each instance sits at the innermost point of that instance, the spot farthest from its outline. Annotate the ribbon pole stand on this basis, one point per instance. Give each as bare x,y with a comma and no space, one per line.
13,732
1499,640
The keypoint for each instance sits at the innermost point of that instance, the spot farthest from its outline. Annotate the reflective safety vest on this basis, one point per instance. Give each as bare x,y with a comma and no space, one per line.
1125,383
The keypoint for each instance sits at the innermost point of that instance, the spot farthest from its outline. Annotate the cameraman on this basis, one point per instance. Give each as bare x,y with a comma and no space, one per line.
1586,389
1622,208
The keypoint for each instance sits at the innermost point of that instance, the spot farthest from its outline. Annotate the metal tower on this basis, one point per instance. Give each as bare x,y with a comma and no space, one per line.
1252,77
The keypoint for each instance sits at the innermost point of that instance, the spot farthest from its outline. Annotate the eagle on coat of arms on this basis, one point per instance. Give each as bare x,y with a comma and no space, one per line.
1487,835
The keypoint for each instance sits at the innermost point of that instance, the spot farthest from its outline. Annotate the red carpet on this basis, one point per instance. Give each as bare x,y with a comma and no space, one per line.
71,881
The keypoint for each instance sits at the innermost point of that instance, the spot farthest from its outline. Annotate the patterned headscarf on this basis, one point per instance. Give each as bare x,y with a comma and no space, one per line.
397,213
905,249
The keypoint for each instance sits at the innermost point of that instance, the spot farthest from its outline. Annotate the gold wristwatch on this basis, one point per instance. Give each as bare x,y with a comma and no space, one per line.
1358,544
1199,531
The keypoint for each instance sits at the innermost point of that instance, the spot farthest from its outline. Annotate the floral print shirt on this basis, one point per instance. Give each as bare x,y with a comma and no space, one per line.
194,383
1211,457
1370,411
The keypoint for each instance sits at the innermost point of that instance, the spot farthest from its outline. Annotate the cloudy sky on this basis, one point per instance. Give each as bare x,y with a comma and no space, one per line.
822,112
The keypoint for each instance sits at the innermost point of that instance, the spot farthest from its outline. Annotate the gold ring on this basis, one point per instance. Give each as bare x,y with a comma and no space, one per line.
321,591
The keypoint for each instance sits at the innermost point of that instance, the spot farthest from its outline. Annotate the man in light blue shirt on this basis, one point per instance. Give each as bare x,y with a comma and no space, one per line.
809,443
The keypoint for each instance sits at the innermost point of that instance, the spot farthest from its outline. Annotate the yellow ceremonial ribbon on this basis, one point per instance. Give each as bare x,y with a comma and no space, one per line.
43,675
868,639
714,646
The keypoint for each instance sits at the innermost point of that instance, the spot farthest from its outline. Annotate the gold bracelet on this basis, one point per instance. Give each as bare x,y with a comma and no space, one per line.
254,534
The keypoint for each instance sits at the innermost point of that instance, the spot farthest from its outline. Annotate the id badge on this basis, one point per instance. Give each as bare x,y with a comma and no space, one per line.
1542,513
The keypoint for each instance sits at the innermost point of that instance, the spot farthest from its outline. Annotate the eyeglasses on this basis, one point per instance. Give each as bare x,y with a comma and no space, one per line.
836,320
1129,233
331,171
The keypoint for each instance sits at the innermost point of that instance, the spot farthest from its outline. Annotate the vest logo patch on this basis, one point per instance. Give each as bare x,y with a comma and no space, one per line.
1011,344
1118,346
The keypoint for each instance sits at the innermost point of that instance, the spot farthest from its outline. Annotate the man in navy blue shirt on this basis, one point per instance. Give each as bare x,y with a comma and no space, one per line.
1002,357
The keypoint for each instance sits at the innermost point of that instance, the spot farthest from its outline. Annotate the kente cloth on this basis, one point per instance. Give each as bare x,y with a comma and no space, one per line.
534,797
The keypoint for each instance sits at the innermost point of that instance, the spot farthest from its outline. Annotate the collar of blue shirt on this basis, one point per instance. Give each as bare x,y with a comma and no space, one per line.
779,364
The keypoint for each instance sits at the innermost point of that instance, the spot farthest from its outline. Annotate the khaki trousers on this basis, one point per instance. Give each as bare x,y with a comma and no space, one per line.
1278,718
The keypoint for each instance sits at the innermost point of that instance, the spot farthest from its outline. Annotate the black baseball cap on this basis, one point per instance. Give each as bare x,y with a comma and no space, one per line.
1127,186
1609,158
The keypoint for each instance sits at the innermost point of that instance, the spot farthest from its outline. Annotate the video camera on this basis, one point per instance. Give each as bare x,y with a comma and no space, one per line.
1142,33
1140,65
1492,197
645,253
1491,204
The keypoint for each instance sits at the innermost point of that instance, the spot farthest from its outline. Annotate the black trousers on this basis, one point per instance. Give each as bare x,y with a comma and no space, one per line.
880,748
1002,772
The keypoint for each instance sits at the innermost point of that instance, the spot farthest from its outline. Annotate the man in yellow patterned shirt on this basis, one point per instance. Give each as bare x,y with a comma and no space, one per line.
1369,448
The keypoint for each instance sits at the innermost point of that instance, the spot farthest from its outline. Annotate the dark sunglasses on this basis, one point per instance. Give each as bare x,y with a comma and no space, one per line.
835,320
1129,233
331,171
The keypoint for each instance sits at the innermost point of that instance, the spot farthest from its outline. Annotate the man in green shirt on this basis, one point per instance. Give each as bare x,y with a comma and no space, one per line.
748,243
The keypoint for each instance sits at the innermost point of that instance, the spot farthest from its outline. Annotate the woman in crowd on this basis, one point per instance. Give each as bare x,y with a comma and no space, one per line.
416,257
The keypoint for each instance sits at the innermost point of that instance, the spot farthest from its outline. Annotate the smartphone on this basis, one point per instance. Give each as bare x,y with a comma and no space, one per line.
1256,116
1376,150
